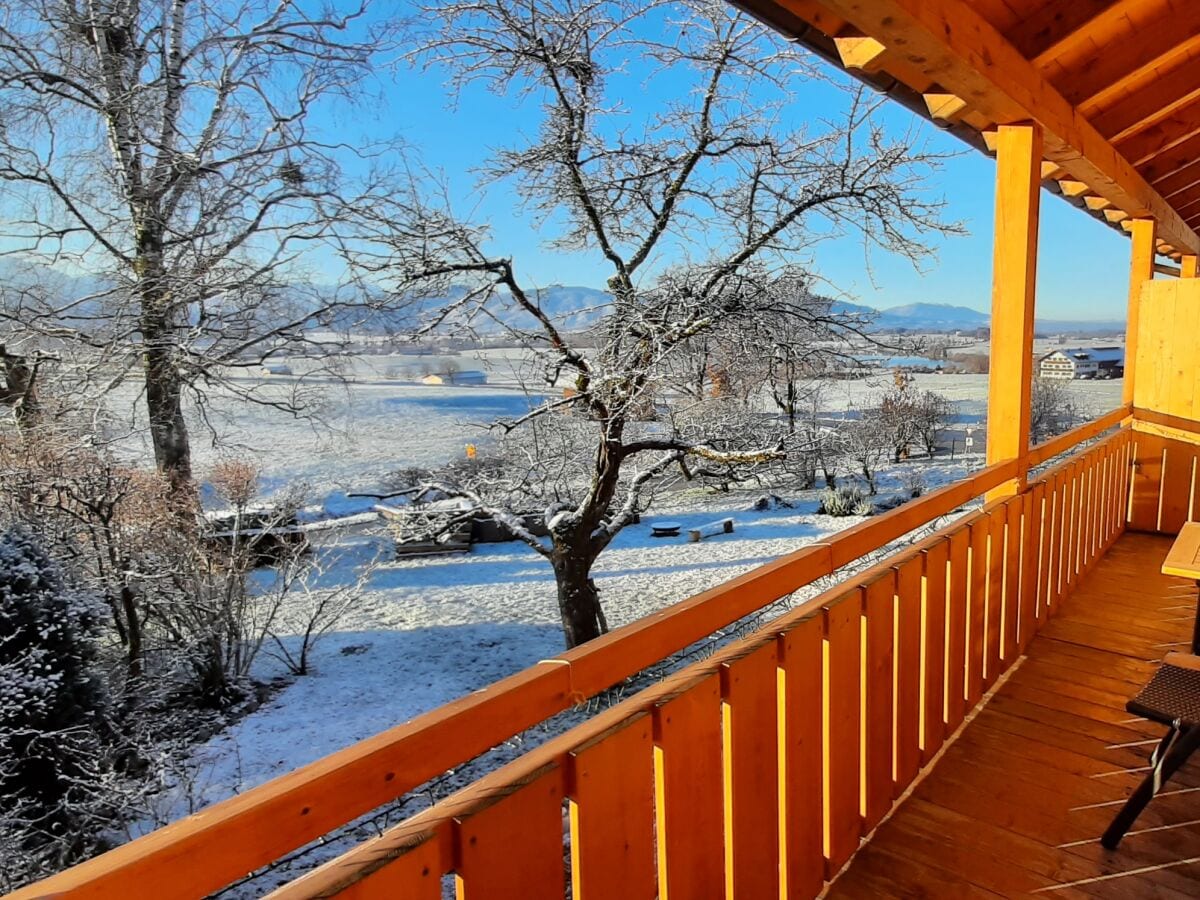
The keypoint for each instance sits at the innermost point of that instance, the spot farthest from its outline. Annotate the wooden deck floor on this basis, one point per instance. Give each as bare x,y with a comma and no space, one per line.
1017,803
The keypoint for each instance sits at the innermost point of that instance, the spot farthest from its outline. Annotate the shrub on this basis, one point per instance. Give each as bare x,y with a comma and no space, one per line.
846,500
52,708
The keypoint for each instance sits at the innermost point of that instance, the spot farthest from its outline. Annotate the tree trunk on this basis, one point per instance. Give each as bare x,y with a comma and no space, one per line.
164,383
18,390
578,599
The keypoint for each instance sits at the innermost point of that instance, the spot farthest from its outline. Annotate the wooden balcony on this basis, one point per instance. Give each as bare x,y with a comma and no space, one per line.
1017,802
949,722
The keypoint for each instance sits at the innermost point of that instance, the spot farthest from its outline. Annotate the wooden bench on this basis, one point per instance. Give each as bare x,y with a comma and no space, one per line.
724,526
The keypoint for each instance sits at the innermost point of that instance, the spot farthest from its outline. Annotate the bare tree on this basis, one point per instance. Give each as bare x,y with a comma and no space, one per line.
933,412
1052,408
868,442
715,180
166,149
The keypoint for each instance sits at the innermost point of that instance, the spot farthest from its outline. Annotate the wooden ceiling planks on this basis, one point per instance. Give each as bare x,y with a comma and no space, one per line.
1088,70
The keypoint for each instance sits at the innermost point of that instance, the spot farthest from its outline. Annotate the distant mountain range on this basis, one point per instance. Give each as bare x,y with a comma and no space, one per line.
575,307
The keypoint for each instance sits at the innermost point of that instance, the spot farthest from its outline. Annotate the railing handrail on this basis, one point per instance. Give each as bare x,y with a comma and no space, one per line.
224,842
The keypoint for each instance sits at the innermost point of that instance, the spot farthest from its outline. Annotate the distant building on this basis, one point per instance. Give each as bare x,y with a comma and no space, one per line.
469,376
276,369
1084,363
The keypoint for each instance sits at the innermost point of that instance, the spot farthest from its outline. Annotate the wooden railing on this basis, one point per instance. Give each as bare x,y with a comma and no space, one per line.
767,761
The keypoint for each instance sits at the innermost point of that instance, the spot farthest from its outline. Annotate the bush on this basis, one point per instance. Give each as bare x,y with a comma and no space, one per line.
52,708
846,500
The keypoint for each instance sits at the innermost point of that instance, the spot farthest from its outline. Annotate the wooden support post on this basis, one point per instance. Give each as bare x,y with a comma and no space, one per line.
1014,273
1141,270
1187,266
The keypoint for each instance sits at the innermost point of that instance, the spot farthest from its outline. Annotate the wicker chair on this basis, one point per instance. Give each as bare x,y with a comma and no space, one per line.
1171,697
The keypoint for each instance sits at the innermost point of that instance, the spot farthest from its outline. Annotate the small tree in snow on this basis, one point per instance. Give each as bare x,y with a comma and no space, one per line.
1052,409
868,442
932,411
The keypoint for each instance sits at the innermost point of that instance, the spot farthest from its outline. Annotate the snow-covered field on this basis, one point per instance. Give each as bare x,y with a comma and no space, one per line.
430,629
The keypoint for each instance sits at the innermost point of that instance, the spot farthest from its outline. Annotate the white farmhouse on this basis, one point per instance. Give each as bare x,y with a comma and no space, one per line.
1084,363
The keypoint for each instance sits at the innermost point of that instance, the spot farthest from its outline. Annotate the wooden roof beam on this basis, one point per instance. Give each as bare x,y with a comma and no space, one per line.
1096,204
863,53
1072,188
950,41
945,107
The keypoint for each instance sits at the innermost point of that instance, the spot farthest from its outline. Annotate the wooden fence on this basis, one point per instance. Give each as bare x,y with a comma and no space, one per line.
767,762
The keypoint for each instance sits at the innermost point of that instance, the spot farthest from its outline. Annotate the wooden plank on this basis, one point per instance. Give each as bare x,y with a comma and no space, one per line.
980,529
1027,618
612,814
751,758
842,699
1141,270
492,866
1147,480
1176,487
956,628
416,872
878,604
997,521
1183,559
1013,542
934,620
802,868
1014,268
908,673
688,793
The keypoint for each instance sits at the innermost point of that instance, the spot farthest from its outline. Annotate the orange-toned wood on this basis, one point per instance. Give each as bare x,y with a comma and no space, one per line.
1015,805
411,870
959,544
492,866
1183,559
1014,275
1013,542
688,793
1178,467
1147,481
994,614
878,604
611,781
1027,617
908,672
601,663
980,529
750,721
1141,270
1071,526
842,679
802,867
951,41
934,629
1064,442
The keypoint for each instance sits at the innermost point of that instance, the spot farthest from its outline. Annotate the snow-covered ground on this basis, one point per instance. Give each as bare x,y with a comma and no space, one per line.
431,629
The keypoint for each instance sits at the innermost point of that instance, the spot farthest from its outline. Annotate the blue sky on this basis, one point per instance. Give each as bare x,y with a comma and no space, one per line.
1083,265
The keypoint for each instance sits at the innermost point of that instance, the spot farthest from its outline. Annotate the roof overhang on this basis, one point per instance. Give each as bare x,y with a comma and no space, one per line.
1118,131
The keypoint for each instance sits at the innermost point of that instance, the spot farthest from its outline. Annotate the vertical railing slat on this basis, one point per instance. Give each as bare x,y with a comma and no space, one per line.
908,672
977,624
878,606
800,703
612,814
493,866
688,793
956,629
933,652
749,688
843,639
